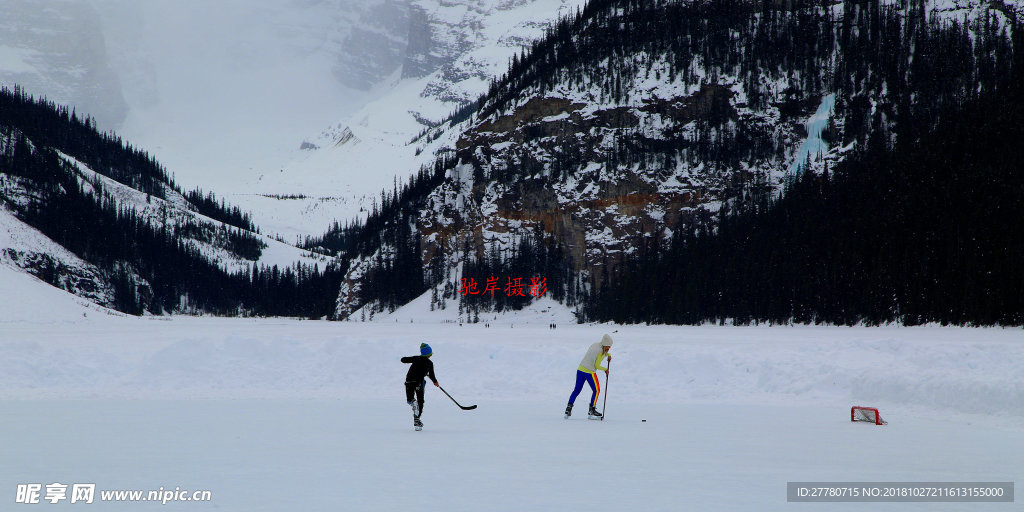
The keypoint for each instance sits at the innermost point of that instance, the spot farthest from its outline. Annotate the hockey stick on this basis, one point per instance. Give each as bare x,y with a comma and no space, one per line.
463,407
606,376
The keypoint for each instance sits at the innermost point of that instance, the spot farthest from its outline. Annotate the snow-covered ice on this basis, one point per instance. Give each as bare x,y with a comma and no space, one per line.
360,455
288,415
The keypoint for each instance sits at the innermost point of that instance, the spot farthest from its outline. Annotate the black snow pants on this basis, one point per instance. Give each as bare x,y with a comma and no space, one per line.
417,388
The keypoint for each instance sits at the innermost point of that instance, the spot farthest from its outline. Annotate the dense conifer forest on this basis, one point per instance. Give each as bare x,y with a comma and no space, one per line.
927,231
921,224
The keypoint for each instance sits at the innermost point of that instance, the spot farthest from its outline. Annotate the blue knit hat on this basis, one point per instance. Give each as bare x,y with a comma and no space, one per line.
425,350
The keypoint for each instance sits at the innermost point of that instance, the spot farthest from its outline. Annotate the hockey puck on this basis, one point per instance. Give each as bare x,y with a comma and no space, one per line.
645,421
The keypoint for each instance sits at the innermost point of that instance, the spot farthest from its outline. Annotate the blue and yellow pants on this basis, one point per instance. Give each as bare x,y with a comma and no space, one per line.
589,378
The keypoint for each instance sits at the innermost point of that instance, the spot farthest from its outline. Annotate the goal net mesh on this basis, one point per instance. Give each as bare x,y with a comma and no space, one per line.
868,414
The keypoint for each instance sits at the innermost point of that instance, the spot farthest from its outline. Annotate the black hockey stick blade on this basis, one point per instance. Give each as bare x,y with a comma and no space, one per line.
463,407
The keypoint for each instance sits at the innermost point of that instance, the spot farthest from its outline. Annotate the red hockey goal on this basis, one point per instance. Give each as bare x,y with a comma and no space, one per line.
869,414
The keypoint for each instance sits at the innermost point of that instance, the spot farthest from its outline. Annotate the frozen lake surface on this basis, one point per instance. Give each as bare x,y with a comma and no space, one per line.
285,415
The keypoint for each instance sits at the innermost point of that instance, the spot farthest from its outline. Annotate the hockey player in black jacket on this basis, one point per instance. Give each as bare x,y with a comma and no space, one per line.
421,368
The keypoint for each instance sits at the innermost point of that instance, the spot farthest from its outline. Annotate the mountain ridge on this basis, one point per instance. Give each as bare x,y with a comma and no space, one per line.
722,116
632,127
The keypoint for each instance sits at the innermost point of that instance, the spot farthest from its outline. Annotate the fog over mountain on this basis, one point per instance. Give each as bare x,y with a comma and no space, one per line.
214,90
57,48
312,101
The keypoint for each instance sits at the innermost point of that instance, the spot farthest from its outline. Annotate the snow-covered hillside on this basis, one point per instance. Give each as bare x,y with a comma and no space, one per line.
462,45
24,247
215,90
31,249
238,93
626,126
228,107
174,211
26,299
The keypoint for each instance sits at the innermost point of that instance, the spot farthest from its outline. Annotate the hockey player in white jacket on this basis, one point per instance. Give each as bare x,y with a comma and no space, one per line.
587,372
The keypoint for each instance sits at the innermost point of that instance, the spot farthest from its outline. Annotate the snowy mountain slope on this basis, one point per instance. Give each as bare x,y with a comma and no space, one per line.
137,248
175,211
216,91
371,44
458,48
632,123
228,107
24,249
237,95
27,299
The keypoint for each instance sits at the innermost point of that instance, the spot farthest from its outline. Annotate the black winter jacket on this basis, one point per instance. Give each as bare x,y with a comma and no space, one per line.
421,367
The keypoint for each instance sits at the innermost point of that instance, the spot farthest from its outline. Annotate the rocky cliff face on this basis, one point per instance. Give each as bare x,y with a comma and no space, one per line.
551,164
373,46
558,165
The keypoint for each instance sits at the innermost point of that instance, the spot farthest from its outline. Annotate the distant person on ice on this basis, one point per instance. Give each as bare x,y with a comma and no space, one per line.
421,368
587,372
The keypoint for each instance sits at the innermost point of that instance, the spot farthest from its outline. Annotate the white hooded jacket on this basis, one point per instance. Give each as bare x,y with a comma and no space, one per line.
591,362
